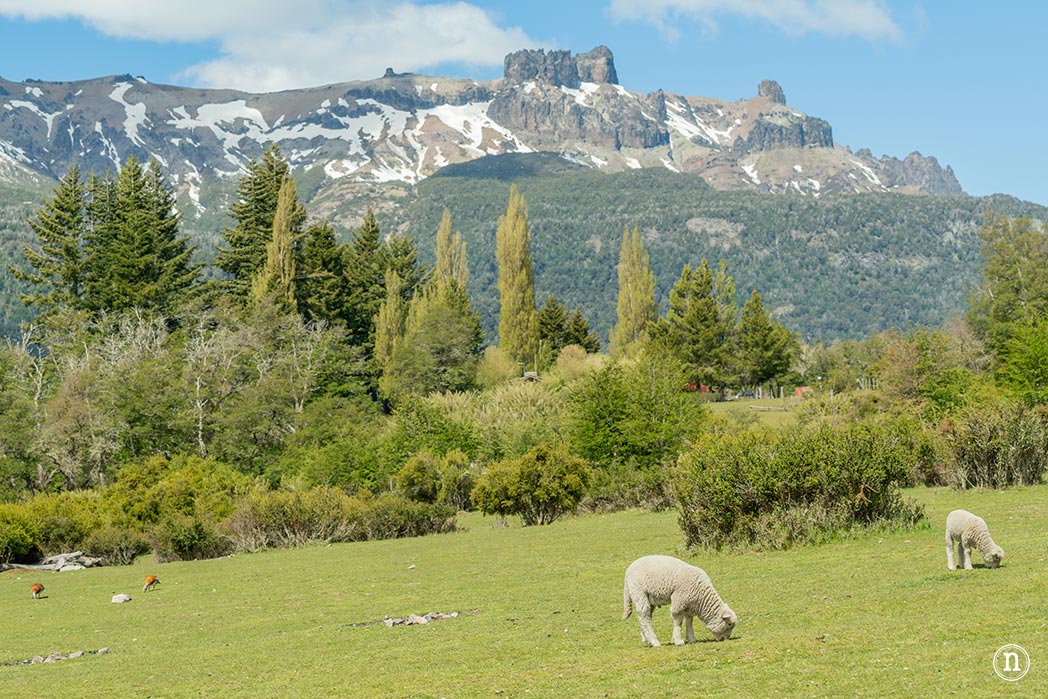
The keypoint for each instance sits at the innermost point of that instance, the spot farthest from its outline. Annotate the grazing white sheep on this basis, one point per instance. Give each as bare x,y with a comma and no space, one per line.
969,530
654,581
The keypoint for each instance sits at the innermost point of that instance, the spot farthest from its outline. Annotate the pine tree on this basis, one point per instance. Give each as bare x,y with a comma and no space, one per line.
696,328
518,327
135,256
58,261
323,292
577,332
365,279
276,278
636,308
765,348
552,321
256,205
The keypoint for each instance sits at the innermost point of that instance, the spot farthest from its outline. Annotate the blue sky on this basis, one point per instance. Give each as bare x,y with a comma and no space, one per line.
961,80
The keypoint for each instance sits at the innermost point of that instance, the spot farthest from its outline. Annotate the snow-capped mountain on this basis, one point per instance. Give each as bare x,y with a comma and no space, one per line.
404,127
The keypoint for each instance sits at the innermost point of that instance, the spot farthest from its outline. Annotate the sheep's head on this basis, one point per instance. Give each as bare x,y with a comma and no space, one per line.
994,559
723,624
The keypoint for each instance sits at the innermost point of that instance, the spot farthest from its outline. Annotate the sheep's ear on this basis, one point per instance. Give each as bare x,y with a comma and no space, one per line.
726,616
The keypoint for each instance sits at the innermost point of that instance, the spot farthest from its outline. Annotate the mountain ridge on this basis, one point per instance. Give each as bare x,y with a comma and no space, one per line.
404,127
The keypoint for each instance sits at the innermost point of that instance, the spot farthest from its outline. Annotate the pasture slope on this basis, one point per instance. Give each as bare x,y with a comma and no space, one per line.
876,615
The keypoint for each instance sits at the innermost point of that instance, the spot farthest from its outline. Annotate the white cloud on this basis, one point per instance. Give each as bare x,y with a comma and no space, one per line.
868,19
268,45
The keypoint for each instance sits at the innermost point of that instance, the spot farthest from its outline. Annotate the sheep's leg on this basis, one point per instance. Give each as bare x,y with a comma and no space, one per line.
966,555
949,554
678,617
647,633
691,632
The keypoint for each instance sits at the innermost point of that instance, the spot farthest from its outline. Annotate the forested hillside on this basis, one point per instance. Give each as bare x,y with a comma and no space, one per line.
829,268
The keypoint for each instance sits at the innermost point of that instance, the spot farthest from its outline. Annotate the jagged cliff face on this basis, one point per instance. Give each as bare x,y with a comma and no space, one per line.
404,127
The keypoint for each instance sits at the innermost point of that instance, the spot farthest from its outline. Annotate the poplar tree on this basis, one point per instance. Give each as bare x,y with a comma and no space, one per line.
276,278
636,308
518,327
57,259
441,338
451,255
258,191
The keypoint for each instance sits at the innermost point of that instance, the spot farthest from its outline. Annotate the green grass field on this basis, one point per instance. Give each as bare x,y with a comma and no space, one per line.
766,412
870,616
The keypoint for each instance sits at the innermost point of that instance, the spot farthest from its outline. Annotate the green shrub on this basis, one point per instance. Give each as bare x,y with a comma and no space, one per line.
18,536
540,486
429,478
732,489
63,520
998,445
297,516
419,479
115,545
180,537
391,516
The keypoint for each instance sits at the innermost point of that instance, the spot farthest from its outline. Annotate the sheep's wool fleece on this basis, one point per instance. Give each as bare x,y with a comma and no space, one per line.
658,577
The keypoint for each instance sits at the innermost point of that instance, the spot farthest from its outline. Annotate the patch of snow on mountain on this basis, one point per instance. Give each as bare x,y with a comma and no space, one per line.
13,152
631,163
694,127
109,150
669,165
870,174
584,91
798,168
34,91
751,170
470,120
336,169
135,113
48,118
599,162
385,172
214,116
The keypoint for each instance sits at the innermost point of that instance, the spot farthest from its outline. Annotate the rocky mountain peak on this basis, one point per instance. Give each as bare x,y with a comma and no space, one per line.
597,66
556,67
771,90
560,68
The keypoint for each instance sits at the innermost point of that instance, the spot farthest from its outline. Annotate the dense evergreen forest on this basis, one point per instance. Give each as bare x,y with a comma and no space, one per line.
830,268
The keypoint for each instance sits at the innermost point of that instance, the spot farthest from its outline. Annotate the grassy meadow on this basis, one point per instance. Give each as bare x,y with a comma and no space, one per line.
872,615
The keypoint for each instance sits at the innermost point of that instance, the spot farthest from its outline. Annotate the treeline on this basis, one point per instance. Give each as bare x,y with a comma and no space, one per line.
836,267
328,391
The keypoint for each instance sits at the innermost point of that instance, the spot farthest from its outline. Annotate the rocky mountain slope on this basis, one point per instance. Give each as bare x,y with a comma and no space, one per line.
405,127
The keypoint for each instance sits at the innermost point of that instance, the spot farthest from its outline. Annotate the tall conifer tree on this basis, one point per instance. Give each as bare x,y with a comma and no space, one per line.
697,328
135,256
518,326
58,260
